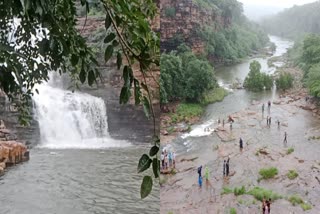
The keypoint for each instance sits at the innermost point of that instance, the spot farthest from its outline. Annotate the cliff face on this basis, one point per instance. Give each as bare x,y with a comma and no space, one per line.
184,21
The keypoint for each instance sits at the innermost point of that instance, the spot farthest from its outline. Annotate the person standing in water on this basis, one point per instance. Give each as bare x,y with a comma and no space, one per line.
162,159
278,124
206,175
174,159
285,138
241,144
199,170
269,105
230,126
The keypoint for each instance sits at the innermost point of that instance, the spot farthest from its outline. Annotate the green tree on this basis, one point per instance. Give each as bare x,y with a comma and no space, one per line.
285,81
38,37
313,80
255,80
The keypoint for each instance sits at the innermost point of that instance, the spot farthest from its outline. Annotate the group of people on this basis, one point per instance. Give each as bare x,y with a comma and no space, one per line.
278,121
168,159
266,206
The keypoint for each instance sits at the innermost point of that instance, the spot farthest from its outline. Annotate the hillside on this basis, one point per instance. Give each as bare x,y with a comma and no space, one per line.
214,28
294,22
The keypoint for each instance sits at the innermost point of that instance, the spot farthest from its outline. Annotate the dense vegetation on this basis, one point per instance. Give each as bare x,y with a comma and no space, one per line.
285,81
184,76
295,22
306,55
235,42
257,80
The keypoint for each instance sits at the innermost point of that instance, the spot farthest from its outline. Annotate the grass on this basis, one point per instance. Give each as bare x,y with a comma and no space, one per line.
305,206
260,193
186,111
171,129
233,211
215,95
267,173
236,191
292,174
290,150
295,199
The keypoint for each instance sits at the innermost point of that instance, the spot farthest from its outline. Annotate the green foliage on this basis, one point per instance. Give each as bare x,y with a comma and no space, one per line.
290,150
260,194
235,42
257,81
185,111
295,199
292,174
214,95
267,173
170,12
146,186
239,191
313,80
184,76
226,190
305,206
285,81
295,21
233,211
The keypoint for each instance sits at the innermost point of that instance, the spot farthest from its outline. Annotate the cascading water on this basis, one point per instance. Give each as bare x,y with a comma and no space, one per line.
72,120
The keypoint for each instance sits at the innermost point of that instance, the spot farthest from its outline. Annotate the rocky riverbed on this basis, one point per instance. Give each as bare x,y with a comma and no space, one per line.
12,152
263,147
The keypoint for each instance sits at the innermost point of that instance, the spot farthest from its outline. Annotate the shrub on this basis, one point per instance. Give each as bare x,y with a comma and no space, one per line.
268,173
233,211
292,174
295,199
260,194
239,191
226,190
305,206
290,150
255,80
285,81
214,95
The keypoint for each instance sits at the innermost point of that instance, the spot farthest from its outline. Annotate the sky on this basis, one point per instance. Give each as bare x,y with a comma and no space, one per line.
277,3
258,9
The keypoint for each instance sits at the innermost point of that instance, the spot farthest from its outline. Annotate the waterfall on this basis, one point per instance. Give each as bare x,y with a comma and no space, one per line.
71,120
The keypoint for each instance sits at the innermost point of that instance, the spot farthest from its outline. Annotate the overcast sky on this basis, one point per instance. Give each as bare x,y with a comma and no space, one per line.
277,3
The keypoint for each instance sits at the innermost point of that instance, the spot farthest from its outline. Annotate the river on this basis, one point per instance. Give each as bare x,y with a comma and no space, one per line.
205,148
76,167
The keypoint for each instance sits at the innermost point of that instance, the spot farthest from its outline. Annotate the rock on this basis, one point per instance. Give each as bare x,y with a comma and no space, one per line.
165,132
277,102
301,161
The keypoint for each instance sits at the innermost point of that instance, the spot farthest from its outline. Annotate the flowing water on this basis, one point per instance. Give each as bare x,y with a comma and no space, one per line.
77,167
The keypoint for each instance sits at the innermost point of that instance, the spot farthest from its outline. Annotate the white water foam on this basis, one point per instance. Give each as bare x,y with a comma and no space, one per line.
72,120
200,130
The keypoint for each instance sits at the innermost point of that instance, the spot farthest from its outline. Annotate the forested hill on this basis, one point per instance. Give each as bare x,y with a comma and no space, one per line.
214,28
295,22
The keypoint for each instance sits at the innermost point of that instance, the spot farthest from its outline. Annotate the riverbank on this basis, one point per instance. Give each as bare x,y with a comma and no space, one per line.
179,116
181,194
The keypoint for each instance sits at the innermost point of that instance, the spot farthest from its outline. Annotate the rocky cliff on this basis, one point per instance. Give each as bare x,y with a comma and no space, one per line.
182,20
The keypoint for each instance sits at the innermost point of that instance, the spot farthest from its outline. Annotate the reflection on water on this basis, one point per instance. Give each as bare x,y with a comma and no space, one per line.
77,181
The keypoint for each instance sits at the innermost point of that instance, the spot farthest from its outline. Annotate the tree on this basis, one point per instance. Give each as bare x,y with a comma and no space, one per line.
38,37
313,80
284,81
255,80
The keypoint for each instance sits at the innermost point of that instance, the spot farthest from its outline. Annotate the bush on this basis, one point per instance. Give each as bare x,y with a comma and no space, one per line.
233,211
268,173
186,111
255,80
290,150
226,190
170,12
305,206
292,174
285,81
295,199
239,191
260,194
214,95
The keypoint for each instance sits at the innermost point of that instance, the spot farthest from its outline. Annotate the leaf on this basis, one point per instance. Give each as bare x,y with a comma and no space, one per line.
74,59
126,76
109,38
107,21
154,150
155,167
91,77
146,107
119,60
146,186
124,95
115,43
82,76
37,91
144,163
108,53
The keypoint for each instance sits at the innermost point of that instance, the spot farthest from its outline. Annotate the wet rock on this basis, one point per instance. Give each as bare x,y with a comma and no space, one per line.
277,102
164,132
188,159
